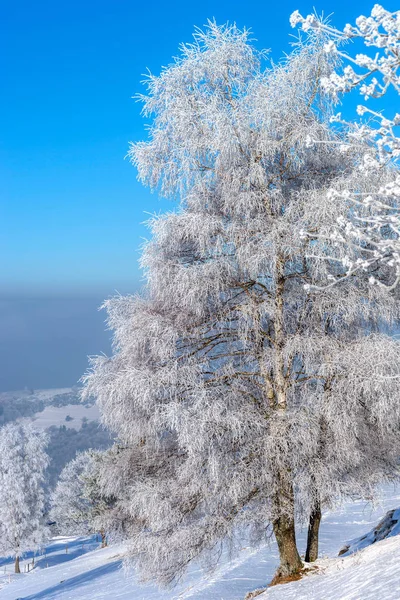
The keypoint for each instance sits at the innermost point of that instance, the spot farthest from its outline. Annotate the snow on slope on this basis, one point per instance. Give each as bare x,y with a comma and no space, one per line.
45,394
48,394
387,527
98,575
371,574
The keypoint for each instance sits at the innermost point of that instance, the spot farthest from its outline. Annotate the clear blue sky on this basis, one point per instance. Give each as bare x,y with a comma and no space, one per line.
71,210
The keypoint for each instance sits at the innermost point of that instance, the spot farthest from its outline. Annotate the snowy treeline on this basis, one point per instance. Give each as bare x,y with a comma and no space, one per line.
23,461
66,442
245,393
77,505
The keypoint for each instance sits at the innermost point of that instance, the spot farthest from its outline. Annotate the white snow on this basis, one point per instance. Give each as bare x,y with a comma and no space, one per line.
45,394
373,573
55,415
389,526
370,574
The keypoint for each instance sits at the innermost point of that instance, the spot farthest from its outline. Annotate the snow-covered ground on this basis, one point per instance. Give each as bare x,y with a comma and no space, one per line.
370,574
45,394
85,573
54,406
49,394
56,415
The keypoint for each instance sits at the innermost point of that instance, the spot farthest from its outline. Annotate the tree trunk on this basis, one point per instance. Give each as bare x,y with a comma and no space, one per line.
284,530
313,532
103,538
17,569
290,561
283,522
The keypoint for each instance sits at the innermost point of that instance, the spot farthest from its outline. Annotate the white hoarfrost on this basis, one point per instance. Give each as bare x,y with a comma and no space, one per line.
374,223
70,509
243,400
77,505
23,461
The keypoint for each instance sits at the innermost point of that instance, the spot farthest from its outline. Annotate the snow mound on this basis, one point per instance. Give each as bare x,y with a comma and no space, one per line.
387,527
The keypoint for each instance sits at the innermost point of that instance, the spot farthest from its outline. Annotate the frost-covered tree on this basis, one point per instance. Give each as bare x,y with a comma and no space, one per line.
69,508
373,224
23,461
77,505
241,397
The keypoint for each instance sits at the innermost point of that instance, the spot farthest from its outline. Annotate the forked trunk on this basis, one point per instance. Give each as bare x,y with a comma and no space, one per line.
17,569
313,533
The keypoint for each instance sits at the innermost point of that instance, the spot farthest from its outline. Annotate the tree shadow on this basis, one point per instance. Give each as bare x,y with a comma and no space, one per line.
69,584
57,559
55,553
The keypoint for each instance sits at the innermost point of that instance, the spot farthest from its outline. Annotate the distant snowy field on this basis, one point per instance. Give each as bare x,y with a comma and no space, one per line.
48,394
56,415
57,405
85,573
45,395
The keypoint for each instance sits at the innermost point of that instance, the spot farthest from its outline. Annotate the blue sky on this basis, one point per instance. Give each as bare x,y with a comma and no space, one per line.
71,210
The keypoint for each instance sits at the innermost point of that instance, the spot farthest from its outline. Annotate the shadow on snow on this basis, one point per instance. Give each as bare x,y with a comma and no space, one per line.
70,584
56,553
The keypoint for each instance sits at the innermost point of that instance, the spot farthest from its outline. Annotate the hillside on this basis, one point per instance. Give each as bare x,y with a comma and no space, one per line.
85,573
72,426
367,568
44,407
371,574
